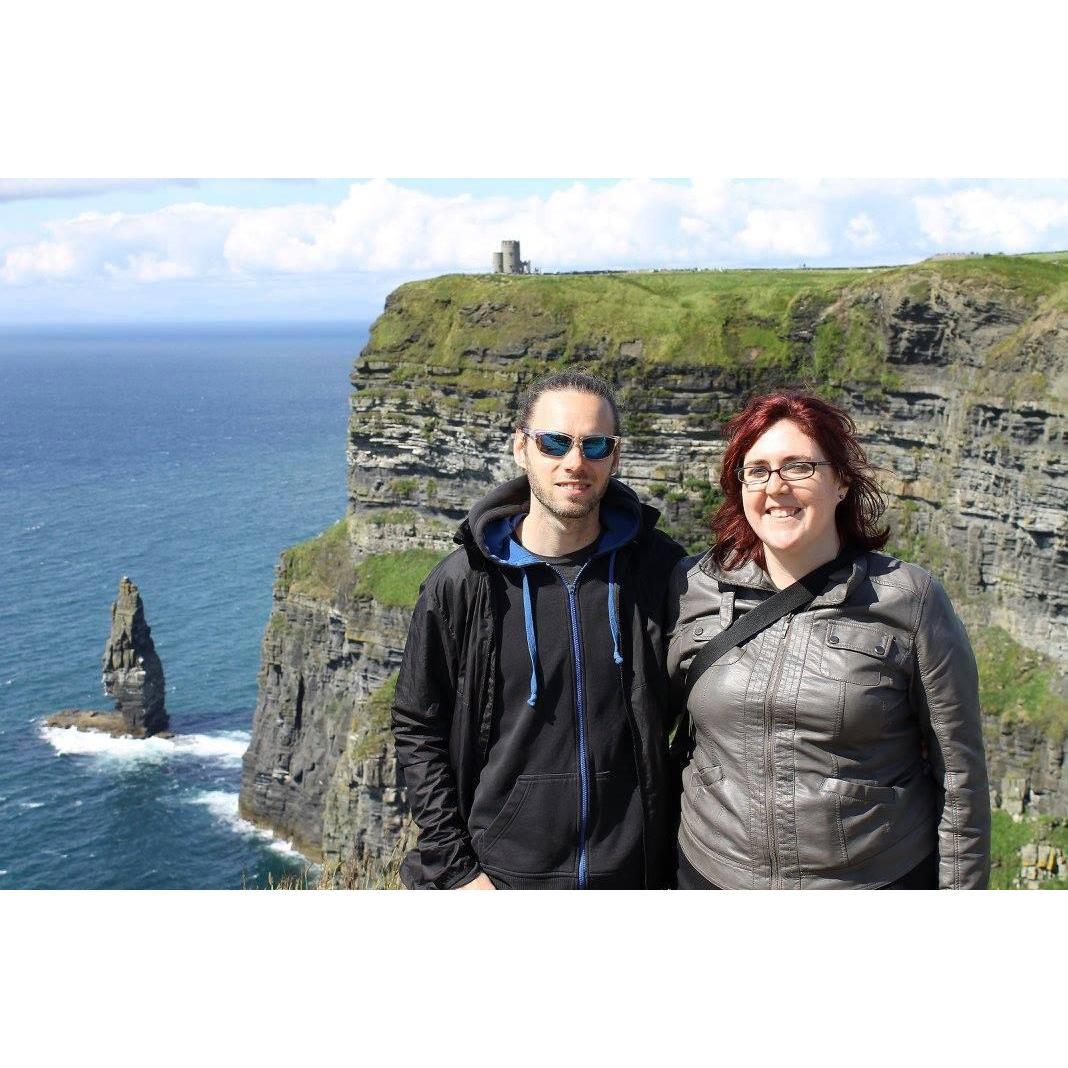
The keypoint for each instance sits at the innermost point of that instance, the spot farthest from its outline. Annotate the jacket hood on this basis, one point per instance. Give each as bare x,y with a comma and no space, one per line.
623,518
490,524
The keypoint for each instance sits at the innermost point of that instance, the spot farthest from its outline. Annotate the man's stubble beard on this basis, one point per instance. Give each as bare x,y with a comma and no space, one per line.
576,512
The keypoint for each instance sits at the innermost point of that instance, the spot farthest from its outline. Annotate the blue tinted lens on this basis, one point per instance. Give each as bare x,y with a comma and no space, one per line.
596,448
554,444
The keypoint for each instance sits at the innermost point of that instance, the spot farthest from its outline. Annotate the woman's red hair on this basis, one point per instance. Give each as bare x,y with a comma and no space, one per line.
734,541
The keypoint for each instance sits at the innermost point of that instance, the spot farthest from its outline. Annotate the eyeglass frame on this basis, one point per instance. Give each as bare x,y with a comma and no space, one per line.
778,471
615,439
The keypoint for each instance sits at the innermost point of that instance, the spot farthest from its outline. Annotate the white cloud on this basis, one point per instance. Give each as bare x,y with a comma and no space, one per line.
179,241
978,220
379,227
789,232
46,259
861,231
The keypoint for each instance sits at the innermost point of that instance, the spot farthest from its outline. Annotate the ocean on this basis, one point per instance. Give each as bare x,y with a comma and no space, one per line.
186,458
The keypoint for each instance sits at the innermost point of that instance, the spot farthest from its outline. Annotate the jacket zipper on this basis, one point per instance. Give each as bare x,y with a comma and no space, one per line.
580,722
769,765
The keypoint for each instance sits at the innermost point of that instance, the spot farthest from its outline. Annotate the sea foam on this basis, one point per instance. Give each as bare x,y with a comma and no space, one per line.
222,804
225,747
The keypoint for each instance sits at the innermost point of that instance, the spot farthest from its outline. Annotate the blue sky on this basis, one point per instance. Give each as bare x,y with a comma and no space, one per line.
184,250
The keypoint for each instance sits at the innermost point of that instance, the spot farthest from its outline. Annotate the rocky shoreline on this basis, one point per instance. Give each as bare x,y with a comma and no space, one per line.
101,722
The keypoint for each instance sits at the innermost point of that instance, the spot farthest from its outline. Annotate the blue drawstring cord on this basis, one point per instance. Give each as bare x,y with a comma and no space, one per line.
613,620
532,644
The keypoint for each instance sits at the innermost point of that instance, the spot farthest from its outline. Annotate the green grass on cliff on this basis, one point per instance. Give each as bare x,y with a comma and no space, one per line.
1017,683
1008,837
696,318
322,568
371,722
393,579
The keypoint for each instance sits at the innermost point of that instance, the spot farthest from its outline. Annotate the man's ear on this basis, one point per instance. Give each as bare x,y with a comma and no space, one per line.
519,452
615,459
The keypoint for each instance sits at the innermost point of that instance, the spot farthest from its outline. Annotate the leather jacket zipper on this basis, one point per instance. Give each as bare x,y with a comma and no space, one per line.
769,748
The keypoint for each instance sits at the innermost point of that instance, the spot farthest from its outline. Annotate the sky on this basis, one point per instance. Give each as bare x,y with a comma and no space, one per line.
266,250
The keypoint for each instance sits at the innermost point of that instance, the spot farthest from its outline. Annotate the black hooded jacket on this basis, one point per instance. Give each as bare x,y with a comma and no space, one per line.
497,740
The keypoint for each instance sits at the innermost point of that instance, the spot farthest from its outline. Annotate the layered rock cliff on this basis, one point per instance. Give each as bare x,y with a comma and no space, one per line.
955,371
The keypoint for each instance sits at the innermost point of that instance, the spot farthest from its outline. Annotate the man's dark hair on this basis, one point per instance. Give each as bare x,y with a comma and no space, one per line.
577,380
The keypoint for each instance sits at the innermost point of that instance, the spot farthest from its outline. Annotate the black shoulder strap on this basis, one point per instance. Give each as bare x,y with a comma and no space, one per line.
763,616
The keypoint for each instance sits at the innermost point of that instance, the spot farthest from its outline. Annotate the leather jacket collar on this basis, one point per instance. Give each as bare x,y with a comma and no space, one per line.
843,581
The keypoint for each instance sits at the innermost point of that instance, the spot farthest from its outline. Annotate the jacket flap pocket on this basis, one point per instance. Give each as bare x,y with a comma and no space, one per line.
706,777
859,791
859,638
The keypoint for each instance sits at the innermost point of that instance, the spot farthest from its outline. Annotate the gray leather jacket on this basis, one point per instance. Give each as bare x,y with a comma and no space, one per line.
839,747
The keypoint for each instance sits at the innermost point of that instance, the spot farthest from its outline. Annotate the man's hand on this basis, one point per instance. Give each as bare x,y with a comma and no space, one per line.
479,882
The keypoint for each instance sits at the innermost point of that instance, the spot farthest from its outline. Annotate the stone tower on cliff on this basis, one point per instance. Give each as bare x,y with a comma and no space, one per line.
508,261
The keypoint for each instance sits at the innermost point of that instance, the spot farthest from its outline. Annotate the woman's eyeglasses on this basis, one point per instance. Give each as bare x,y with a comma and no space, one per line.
794,471
554,443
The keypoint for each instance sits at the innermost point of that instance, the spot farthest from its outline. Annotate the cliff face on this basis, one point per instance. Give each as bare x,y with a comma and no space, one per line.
955,372
328,650
958,381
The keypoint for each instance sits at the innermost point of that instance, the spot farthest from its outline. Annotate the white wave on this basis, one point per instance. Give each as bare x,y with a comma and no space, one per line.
226,747
31,804
222,804
3,871
127,750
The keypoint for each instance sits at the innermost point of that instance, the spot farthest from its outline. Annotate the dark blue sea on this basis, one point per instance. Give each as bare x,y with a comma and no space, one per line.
187,458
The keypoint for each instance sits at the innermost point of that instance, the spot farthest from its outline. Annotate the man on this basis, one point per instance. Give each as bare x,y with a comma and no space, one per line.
531,708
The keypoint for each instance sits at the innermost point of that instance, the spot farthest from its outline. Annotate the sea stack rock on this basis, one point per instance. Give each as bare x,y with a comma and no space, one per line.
133,675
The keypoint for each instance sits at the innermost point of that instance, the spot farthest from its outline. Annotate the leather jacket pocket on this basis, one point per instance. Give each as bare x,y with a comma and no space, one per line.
855,653
866,815
704,631
716,812
860,791
705,778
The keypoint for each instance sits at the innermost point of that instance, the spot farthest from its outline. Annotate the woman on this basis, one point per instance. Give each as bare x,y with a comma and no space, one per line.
840,747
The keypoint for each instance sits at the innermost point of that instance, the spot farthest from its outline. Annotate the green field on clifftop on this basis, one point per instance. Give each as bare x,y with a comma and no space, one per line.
695,318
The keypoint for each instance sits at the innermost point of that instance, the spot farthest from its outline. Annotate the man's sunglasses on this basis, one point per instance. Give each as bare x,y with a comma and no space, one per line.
553,443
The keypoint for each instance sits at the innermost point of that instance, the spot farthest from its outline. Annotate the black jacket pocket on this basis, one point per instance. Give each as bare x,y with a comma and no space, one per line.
536,831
